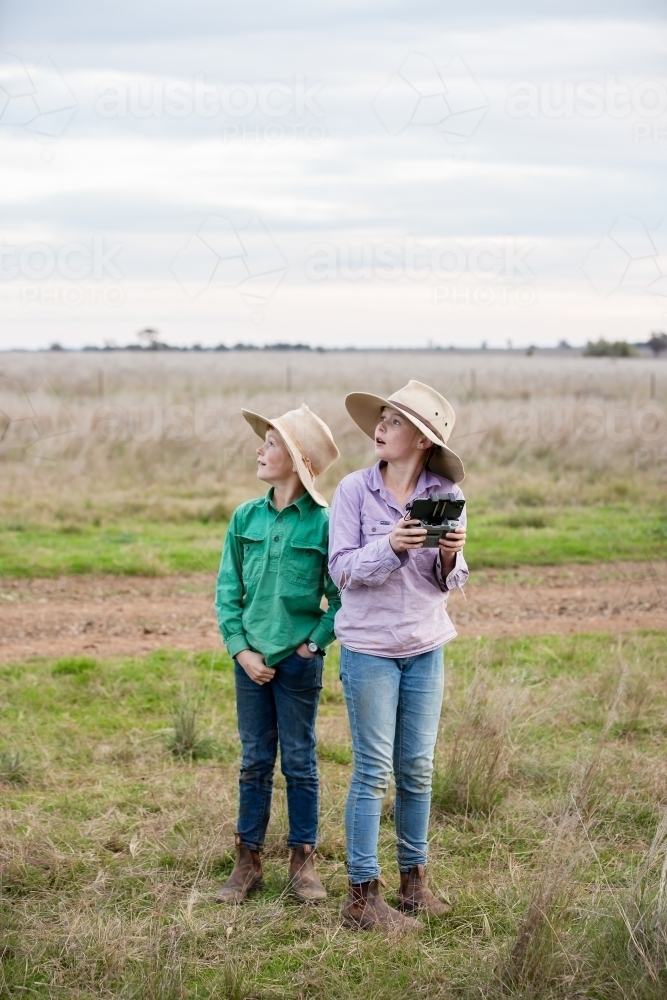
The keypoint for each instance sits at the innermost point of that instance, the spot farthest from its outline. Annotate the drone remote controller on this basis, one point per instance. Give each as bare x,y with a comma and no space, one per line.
439,514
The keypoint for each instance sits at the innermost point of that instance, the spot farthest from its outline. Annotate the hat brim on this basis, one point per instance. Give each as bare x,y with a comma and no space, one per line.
261,424
365,410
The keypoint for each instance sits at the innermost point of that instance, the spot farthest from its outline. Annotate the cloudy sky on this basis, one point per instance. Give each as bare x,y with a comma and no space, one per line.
338,173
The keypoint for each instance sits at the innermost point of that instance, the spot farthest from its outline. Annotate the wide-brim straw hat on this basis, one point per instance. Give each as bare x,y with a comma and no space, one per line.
308,440
426,409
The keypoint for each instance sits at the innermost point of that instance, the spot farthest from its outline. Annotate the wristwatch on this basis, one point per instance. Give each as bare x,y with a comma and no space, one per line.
312,647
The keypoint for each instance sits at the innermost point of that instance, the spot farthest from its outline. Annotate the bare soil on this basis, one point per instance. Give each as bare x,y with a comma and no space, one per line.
109,615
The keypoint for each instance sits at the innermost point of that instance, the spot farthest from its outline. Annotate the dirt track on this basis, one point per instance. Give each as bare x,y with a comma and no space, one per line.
105,616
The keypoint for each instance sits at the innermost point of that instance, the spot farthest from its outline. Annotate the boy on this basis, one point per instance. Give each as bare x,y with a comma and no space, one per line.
272,578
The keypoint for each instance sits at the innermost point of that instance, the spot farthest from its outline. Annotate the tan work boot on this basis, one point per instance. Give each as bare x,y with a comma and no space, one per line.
414,896
246,874
365,910
303,880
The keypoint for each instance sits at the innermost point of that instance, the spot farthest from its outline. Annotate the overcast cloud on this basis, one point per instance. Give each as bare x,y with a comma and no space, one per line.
369,173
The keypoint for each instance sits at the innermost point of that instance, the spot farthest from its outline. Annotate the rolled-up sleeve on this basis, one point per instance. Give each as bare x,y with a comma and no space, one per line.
323,634
458,575
351,563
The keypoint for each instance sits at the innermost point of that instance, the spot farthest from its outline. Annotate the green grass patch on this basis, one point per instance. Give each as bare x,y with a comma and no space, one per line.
145,548
525,536
112,845
74,666
546,536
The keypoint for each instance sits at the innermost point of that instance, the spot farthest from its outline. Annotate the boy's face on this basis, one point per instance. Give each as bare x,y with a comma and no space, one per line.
274,462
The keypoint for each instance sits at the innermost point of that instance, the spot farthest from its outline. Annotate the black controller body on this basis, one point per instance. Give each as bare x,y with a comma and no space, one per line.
440,513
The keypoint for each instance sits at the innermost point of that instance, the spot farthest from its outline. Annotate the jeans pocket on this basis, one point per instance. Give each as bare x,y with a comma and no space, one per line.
304,659
306,671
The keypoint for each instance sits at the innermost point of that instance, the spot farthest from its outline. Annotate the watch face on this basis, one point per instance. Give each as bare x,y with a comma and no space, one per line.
313,647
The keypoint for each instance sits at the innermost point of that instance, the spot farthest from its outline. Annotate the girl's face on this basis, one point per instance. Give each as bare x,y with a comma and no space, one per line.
274,462
397,439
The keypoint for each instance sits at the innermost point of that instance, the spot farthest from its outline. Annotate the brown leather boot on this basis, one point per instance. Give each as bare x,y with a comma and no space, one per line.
246,874
303,880
366,909
414,896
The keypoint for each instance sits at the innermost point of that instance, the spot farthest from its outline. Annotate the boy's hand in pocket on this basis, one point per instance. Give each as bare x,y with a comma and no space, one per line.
255,667
304,652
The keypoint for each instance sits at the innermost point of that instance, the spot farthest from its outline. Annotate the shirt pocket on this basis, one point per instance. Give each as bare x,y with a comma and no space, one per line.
307,562
374,527
253,556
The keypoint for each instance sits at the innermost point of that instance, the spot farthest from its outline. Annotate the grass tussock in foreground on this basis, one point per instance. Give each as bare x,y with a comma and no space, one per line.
549,834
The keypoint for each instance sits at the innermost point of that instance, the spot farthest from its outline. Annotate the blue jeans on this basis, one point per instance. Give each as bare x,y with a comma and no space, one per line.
282,711
394,710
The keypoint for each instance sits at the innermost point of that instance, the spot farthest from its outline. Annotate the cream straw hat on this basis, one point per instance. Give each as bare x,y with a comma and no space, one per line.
426,409
308,440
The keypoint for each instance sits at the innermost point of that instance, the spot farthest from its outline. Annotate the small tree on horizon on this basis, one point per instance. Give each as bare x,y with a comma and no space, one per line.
150,335
657,343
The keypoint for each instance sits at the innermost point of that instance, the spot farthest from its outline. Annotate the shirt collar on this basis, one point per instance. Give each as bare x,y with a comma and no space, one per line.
427,479
303,504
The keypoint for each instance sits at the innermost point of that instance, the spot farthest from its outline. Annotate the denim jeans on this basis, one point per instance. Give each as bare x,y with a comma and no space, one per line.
281,711
394,710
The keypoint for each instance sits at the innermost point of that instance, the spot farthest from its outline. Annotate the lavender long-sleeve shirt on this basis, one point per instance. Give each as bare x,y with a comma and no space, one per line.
392,604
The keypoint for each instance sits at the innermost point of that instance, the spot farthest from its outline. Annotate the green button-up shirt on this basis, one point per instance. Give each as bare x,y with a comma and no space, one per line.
272,578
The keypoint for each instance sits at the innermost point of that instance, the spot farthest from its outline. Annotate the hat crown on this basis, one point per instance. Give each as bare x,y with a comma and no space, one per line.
426,404
312,436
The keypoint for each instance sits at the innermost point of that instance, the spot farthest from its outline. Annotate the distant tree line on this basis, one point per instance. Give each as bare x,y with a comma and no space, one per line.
657,343
156,345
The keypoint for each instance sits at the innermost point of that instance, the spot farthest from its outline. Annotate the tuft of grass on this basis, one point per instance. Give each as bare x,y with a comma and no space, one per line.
524,519
337,753
186,741
471,777
12,768
537,959
73,666
628,946
635,706
528,496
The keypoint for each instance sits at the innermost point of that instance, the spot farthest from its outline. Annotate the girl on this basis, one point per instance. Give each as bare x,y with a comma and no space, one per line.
392,627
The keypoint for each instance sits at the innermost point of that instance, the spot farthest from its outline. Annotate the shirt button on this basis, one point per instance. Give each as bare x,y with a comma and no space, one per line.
279,519
374,529
276,538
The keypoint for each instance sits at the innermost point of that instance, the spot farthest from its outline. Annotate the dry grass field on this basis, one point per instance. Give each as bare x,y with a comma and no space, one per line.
549,828
127,462
541,430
